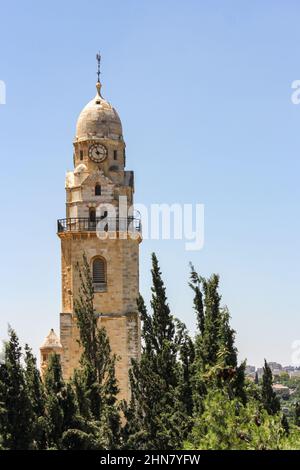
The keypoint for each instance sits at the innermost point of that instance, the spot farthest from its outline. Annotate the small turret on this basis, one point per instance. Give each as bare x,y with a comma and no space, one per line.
50,345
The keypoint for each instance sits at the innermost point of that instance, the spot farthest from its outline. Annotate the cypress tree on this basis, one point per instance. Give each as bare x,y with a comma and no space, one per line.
53,388
207,341
269,399
76,439
297,413
227,340
17,414
3,411
156,416
54,382
82,394
187,357
61,409
95,382
34,383
36,395
162,339
210,337
195,285
232,375
216,363
285,424
69,407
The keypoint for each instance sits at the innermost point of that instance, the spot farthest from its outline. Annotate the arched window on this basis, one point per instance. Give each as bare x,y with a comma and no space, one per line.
99,273
97,190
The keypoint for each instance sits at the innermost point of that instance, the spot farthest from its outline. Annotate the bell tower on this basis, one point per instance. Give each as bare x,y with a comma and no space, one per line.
95,226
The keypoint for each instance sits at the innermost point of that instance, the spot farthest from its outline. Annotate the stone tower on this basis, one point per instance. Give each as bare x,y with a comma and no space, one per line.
95,226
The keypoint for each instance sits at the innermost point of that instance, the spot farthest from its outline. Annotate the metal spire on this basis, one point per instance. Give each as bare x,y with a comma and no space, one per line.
98,58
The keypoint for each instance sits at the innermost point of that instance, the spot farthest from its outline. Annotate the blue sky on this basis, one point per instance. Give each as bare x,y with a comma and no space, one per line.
203,89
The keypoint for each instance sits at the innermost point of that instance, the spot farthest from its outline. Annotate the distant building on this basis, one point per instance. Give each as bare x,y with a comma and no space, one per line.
278,372
250,371
281,390
294,373
274,366
288,368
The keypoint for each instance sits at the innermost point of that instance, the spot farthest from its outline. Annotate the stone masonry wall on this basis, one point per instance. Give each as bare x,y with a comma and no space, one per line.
117,305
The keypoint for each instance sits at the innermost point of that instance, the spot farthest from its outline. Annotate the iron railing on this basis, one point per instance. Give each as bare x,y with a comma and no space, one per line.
84,224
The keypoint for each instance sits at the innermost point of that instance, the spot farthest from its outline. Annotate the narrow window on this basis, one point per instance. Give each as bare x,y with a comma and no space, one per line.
81,154
92,215
97,190
99,271
115,154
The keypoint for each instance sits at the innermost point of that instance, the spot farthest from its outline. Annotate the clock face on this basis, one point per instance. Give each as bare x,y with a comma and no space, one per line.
97,153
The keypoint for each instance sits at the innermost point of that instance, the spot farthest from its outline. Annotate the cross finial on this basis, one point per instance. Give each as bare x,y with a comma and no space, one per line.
98,58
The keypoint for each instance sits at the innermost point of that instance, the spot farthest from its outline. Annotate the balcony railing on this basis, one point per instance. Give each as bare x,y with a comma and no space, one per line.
84,224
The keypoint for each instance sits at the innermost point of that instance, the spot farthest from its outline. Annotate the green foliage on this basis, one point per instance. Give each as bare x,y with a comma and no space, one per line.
269,399
35,389
75,439
17,414
297,414
79,414
95,382
285,424
157,415
229,412
229,424
61,409
36,395
187,358
209,340
215,361
291,441
182,390
195,285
